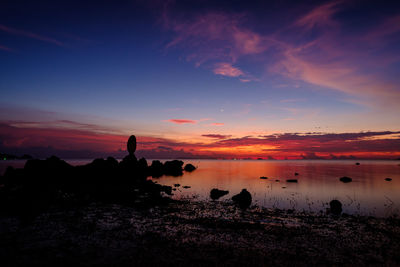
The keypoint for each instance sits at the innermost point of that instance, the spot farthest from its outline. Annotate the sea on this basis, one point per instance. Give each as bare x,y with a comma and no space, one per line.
318,183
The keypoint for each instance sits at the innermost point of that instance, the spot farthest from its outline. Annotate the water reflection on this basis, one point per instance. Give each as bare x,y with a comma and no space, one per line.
318,183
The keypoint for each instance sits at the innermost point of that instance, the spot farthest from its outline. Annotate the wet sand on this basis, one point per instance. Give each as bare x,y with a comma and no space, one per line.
197,233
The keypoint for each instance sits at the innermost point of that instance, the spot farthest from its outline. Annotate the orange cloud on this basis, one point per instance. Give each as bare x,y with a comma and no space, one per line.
72,142
217,124
182,121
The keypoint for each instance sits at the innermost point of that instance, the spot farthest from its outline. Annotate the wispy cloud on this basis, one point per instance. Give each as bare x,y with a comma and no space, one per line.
226,69
217,124
30,35
320,16
182,121
5,48
318,50
216,136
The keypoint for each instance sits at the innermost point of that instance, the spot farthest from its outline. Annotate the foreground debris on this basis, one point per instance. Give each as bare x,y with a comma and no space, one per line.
197,233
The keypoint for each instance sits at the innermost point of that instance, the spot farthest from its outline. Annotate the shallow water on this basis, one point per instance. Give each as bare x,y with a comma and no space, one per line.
318,183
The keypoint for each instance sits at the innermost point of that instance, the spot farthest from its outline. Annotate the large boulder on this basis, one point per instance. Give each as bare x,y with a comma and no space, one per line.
336,207
156,169
243,199
216,193
173,168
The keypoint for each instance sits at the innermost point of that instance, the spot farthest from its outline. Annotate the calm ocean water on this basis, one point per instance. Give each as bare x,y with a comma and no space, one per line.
318,183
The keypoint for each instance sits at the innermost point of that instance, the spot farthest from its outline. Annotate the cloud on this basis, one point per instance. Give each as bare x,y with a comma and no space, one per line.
30,35
320,16
214,36
5,48
216,136
72,141
365,142
388,27
226,69
182,121
217,124
317,48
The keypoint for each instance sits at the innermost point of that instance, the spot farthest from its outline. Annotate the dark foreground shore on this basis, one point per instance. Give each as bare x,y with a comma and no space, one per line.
194,233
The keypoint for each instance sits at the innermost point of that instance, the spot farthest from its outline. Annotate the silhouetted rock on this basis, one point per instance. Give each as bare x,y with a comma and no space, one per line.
357,163
263,177
189,167
173,168
346,179
296,173
177,185
128,162
216,193
336,207
291,180
156,169
243,199
112,162
186,186
388,179
42,184
142,167
131,145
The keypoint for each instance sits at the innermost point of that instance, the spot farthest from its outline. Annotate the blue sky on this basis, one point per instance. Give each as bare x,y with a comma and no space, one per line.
179,70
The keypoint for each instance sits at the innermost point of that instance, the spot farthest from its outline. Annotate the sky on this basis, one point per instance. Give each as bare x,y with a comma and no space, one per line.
201,79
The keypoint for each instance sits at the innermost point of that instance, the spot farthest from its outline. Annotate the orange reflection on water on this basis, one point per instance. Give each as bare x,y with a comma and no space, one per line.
318,183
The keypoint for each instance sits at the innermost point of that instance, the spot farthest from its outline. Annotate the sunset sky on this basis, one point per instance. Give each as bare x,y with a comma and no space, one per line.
208,79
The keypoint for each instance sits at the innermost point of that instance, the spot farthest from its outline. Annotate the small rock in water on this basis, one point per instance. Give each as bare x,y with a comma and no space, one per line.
357,163
186,186
296,173
277,181
388,179
189,167
292,181
177,185
243,199
216,193
346,179
336,207
263,177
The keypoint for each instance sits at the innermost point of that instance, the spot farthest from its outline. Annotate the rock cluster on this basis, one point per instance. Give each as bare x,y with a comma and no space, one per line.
42,184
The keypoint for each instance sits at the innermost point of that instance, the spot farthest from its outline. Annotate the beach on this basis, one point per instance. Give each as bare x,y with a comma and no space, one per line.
194,233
